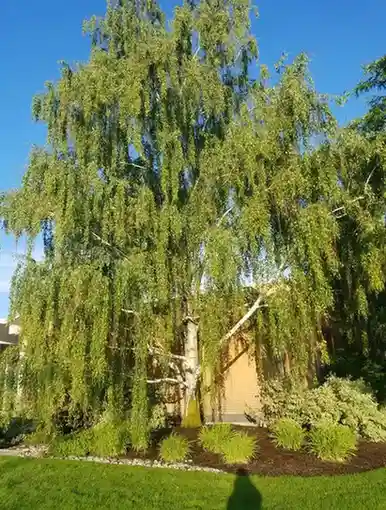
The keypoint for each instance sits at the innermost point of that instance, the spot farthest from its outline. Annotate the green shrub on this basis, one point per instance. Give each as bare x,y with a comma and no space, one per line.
158,417
192,419
107,439
174,448
287,433
39,437
333,442
78,444
281,399
214,438
110,439
239,449
338,401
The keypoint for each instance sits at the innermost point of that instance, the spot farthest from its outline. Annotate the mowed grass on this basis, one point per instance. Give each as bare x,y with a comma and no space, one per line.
54,484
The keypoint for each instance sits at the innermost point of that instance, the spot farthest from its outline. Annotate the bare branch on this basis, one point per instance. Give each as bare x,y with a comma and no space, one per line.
256,306
129,312
224,216
189,318
138,166
198,47
239,53
106,243
341,208
158,350
170,357
369,177
338,209
197,51
167,380
184,359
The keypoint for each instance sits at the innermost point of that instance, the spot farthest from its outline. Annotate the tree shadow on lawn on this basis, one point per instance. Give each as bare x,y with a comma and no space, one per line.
245,496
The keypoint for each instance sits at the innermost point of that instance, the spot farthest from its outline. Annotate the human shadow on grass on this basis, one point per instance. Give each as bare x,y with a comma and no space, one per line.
245,496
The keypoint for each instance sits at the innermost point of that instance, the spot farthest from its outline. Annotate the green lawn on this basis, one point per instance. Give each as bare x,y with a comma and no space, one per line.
41,484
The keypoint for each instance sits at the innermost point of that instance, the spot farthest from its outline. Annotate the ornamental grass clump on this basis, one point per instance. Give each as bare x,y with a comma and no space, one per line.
213,439
239,449
332,442
288,434
174,448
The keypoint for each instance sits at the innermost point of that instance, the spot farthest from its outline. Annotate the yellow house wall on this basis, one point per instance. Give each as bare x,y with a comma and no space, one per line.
239,389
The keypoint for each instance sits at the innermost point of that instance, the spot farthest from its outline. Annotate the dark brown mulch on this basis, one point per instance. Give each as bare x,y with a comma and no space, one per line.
274,461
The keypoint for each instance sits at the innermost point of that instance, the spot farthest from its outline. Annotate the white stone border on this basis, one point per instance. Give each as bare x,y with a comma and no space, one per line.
40,452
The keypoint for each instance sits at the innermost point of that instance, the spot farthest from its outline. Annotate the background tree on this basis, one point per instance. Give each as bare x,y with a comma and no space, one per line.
180,198
360,312
375,81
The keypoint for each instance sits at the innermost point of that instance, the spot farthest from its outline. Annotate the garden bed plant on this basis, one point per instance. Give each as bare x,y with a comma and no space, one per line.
253,448
319,436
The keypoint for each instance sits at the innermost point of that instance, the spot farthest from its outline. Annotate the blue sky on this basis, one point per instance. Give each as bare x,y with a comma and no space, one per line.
339,37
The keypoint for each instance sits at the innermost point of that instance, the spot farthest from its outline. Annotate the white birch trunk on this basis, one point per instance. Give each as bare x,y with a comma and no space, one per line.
191,374
191,354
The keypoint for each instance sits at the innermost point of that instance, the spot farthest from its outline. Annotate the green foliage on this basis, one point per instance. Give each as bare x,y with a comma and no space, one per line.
171,167
158,417
103,440
192,418
332,441
39,437
338,401
97,485
288,434
214,438
283,399
358,329
77,444
110,439
375,81
239,449
15,431
174,448
139,429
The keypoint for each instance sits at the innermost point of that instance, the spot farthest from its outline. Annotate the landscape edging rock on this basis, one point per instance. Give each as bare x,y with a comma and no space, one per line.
41,452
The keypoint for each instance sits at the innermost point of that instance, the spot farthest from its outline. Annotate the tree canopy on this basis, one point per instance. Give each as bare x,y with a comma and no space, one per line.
374,81
181,196
359,313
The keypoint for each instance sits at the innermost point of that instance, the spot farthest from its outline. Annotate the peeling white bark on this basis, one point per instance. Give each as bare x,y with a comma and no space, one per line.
170,380
192,372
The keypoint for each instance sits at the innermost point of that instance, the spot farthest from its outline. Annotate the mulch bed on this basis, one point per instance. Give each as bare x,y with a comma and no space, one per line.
273,461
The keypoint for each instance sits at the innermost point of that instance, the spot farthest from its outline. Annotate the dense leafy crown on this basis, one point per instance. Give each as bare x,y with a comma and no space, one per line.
174,174
360,311
375,81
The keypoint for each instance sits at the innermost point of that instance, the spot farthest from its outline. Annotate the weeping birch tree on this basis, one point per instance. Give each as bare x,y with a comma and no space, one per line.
181,202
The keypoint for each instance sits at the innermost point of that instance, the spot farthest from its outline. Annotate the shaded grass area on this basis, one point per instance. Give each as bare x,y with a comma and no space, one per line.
53,484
